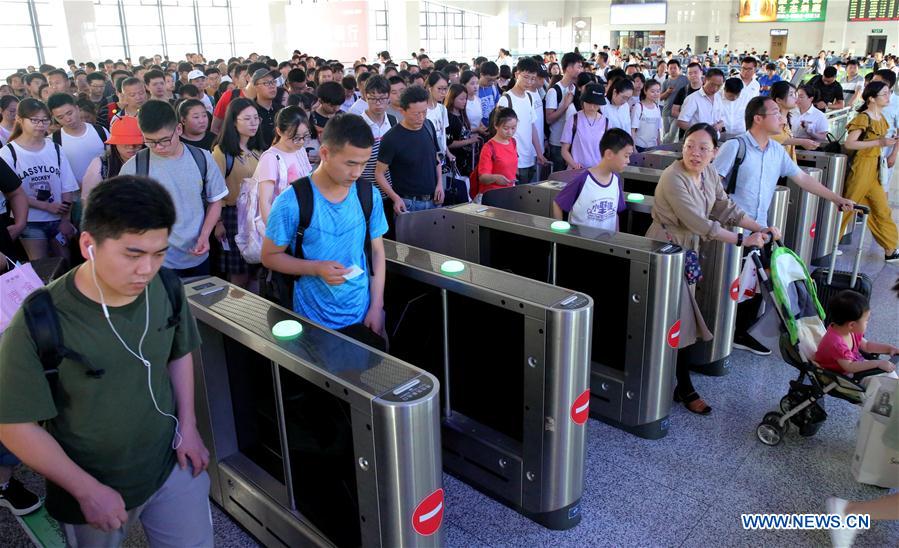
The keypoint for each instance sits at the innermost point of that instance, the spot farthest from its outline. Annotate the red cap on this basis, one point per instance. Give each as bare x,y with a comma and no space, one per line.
125,131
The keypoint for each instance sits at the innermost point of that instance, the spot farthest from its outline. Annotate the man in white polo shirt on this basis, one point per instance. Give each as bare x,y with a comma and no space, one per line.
704,105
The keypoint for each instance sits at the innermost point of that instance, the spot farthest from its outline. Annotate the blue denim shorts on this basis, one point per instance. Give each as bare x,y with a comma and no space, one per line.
7,458
40,230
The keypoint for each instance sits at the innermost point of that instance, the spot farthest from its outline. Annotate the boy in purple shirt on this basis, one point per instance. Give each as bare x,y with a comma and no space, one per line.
594,197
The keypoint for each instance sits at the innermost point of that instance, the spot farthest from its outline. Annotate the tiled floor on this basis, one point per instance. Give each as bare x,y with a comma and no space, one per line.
687,489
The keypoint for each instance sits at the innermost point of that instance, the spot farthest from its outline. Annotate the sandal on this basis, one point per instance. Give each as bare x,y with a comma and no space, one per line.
693,403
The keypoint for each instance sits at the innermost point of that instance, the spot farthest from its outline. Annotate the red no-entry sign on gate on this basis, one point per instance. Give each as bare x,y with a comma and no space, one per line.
674,335
580,409
429,514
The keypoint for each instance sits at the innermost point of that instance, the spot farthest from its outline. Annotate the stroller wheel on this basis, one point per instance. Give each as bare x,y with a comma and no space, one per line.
770,432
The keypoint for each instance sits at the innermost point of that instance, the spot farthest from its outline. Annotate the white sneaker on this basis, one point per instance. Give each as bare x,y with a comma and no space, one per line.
840,538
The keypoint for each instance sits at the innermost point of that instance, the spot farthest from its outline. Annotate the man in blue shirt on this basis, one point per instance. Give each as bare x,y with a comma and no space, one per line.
334,287
765,162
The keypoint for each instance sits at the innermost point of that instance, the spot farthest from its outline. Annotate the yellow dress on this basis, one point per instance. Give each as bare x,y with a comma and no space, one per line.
863,183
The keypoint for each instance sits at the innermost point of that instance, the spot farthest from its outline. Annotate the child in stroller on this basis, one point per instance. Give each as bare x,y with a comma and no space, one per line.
841,347
791,293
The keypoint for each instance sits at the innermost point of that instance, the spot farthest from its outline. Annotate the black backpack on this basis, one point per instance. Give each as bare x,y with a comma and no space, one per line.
281,288
43,325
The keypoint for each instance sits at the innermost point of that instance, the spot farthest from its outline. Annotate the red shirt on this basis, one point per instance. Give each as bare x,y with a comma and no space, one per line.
223,103
498,159
833,347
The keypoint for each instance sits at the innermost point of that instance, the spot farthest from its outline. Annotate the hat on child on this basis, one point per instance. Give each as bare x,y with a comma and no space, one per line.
125,132
593,94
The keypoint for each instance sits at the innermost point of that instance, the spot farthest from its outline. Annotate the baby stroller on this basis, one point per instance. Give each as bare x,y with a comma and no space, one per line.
799,316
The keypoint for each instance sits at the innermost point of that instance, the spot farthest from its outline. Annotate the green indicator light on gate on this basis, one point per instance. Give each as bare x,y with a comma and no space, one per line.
452,267
287,330
635,197
560,226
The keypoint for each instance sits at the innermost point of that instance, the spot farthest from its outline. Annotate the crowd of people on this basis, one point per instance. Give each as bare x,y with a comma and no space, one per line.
283,177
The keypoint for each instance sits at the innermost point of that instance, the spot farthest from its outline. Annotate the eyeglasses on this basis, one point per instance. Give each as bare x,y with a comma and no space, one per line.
377,100
164,142
267,83
774,113
701,149
40,121
300,138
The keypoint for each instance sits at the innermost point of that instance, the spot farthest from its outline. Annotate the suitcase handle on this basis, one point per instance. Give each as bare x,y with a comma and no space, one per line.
864,211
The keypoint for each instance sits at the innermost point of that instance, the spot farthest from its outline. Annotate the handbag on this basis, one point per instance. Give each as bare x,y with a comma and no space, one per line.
832,145
15,286
456,187
692,269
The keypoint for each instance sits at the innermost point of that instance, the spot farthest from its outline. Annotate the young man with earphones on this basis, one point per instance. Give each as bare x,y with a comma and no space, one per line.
119,440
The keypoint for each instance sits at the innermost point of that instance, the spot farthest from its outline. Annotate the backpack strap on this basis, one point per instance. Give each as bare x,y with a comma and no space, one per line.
142,162
391,119
432,131
574,127
364,193
200,159
58,156
229,164
13,155
57,137
735,170
175,292
101,132
302,190
43,326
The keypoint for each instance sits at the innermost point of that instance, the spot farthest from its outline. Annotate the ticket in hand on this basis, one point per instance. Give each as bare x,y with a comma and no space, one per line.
354,271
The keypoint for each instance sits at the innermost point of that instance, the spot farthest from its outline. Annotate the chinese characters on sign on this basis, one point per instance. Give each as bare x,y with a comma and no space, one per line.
767,11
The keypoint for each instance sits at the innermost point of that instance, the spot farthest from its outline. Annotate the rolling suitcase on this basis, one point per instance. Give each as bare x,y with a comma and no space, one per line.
829,281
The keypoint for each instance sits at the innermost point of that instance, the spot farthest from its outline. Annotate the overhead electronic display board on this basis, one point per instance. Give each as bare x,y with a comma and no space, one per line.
874,10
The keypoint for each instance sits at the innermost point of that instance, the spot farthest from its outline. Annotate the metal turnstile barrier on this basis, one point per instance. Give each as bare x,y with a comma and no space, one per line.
315,441
833,174
513,359
802,214
777,213
635,284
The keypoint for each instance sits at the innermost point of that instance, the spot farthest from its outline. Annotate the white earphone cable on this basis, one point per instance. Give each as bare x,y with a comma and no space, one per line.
139,355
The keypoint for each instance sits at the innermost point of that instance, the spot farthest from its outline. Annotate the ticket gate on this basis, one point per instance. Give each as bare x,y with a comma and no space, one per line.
634,281
833,174
512,356
314,441
802,213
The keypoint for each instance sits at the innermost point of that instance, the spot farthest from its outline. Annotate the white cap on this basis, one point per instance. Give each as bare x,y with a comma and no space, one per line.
194,74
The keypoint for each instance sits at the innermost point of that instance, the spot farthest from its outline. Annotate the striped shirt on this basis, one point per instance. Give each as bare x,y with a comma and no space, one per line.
378,131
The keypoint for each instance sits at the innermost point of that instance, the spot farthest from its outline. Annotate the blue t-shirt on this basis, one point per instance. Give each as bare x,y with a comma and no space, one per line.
488,97
334,234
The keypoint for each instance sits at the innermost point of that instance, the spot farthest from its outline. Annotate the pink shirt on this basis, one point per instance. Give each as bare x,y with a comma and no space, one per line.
833,347
292,166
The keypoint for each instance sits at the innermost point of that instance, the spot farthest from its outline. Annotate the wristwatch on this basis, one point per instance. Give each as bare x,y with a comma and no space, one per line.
740,239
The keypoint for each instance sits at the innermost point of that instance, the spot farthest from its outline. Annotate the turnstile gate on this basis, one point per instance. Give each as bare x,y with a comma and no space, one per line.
317,440
513,359
635,284
833,174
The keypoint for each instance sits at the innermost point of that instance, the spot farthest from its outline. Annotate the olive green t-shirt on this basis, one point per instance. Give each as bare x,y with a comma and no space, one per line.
108,426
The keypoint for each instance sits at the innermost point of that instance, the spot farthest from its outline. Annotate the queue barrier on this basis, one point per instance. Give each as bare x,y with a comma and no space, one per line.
314,441
512,356
635,284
